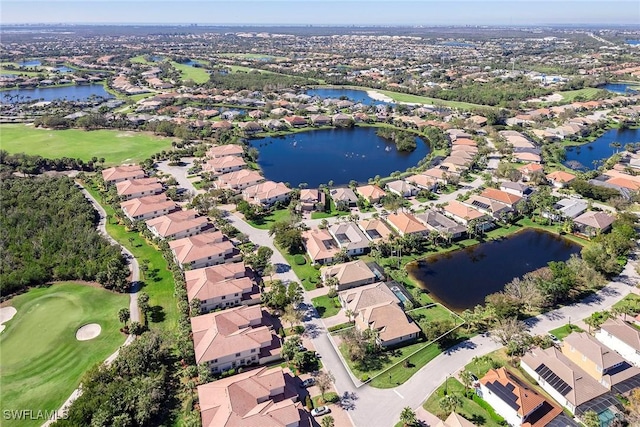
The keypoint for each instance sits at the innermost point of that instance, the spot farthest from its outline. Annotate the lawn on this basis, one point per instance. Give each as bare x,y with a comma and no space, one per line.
586,93
436,312
399,373
197,74
42,362
562,332
326,306
158,280
470,409
115,146
265,222
307,273
632,301
417,99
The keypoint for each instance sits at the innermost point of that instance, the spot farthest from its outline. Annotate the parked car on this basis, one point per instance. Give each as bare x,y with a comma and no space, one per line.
320,410
554,339
308,382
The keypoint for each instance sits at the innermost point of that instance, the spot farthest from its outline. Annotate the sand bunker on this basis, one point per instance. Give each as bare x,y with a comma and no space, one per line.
88,332
6,314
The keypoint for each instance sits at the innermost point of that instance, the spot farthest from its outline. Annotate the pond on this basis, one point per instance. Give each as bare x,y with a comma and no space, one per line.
582,157
462,279
71,93
619,87
30,63
357,96
338,155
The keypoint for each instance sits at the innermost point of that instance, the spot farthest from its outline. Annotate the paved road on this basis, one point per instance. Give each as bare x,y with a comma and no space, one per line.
180,174
133,297
369,406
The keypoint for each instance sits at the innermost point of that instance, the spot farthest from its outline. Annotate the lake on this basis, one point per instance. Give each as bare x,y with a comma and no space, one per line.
633,42
31,63
352,94
618,87
463,278
599,150
341,155
71,93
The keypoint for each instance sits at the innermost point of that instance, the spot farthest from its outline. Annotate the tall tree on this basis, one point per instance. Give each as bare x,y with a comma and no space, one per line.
408,417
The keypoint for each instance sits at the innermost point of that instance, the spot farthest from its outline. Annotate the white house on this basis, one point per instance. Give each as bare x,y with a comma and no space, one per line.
621,337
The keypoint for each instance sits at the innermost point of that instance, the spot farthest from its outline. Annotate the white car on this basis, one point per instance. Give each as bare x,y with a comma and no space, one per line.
320,410
308,382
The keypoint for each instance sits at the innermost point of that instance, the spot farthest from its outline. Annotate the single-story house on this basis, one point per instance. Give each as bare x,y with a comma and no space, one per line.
320,246
371,193
591,223
402,188
345,195
266,193
463,213
349,274
568,208
445,226
312,199
560,179
375,229
350,237
406,223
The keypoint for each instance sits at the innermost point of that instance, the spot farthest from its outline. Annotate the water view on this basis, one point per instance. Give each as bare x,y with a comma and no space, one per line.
31,63
340,155
619,87
70,93
462,279
352,94
582,157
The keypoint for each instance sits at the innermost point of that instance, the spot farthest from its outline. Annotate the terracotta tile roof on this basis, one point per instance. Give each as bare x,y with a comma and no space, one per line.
134,186
219,163
375,229
530,168
464,141
623,331
266,190
455,420
148,204
238,179
225,150
524,398
406,223
501,196
461,211
319,244
177,222
624,183
262,397
200,247
421,180
561,176
224,333
122,172
209,282
371,192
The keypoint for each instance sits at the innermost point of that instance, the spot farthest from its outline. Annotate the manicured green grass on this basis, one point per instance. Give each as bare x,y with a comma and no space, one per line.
631,300
116,147
42,361
326,306
417,99
481,365
307,273
586,93
399,373
562,332
433,313
470,410
197,74
266,221
250,56
139,60
158,280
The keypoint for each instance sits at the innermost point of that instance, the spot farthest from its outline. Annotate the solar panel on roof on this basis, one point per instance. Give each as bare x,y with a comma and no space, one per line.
480,204
505,393
553,380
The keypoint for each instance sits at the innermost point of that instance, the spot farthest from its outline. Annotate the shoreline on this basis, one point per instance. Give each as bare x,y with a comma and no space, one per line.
374,94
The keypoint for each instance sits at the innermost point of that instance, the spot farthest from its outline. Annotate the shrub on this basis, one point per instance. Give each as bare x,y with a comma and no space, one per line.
331,397
299,259
308,403
364,378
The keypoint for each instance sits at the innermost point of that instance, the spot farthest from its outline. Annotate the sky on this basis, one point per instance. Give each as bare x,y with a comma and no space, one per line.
323,12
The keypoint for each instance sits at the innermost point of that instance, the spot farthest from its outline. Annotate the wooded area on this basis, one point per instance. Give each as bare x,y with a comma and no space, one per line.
48,233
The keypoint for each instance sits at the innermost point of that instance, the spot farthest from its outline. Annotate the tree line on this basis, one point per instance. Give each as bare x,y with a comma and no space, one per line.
48,234
34,164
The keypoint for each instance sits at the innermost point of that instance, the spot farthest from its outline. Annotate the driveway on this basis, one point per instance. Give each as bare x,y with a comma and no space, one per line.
180,174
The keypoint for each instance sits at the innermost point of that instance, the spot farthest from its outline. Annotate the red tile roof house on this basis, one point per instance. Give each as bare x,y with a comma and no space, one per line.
221,125
250,128
320,120
529,170
560,179
178,224
204,250
312,199
371,193
320,246
221,286
295,121
260,397
490,207
235,337
405,223
136,188
423,181
148,207
222,165
238,180
621,337
266,193
592,223
516,401
122,173
376,230
225,150
501,196
463,214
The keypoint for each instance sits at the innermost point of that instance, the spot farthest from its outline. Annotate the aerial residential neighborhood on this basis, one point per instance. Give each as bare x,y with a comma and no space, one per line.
324,214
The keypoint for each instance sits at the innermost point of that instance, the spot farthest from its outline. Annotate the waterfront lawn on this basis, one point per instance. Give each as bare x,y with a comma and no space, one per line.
586,94
471,409
116,147
435,312
197,74
405,97
157,280
326,306
265,222
562,332
42,361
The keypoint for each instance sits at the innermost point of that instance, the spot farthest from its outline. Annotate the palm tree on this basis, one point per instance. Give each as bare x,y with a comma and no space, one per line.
467,380
591,419
124,315
328,421
349,313
408,417
450,403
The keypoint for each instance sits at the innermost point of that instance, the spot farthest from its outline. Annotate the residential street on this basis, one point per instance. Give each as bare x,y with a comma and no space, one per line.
368,406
